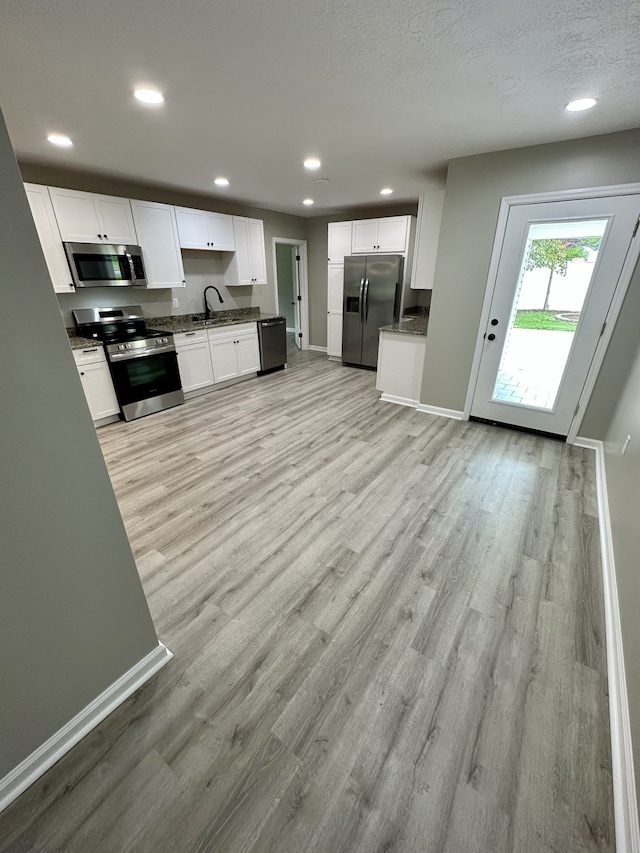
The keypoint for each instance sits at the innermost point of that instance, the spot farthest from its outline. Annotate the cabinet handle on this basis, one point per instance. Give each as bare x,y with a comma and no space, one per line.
106,236
100,236
82,373
188,334
95,349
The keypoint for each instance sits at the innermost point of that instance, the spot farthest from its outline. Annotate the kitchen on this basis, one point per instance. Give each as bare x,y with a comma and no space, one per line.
280,525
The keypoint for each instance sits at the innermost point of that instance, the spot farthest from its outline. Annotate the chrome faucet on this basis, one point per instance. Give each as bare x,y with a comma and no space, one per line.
207,310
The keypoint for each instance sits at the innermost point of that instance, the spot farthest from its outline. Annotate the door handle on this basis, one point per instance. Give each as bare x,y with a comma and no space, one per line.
131,267
366,299
361,300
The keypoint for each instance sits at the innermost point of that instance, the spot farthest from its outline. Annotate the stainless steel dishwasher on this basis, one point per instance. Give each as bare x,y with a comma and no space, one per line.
272,335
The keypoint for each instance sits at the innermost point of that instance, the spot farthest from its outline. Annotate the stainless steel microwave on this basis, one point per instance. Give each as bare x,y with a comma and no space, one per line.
100,265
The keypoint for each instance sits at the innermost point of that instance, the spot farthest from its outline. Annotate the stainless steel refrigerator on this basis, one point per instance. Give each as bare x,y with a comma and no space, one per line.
372,288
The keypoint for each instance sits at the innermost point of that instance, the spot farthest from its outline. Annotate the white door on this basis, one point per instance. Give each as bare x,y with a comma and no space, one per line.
157,231
192,228
194,364
76,215
364,236
392,234
220,232
243,250
334,309
339,241
47,228
258,259
115,219
558,269
248,353
98,389
224,359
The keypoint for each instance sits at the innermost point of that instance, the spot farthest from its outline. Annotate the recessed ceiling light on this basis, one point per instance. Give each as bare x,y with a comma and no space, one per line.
386,191
221,182
322,180
308,201
312,163
149,96
60,139
580,104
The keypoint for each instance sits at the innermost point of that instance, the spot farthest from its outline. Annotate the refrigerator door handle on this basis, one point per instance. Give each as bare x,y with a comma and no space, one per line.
366,299
361,301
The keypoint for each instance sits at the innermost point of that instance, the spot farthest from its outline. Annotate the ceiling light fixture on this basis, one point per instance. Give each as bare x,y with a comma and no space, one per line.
149,96
386,191
580,104
308,201
221,182
312,163
60,139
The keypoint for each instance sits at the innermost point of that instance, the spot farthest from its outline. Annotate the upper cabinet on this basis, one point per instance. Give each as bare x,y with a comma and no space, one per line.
427,236
47,228
157,231
339,238
200,229
248,265
91,218
389,234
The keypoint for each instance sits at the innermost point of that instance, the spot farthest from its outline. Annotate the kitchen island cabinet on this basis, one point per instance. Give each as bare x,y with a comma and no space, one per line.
401,354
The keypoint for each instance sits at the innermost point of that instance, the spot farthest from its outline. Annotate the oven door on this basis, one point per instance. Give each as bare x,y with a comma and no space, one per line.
147,384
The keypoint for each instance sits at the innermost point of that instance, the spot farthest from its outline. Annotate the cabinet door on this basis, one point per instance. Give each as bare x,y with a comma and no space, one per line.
248,353
115,219
240,270
76,215
339,241
364,236
192,228
98,389
258,258
50,240
393,232
334,335
224,358
194,364
220,232
158,236
335,289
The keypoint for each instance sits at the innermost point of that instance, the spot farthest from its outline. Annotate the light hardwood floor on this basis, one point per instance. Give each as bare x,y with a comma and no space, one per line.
388,636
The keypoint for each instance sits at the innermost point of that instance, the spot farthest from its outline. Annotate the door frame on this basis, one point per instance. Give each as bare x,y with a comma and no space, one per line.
506,203
304,283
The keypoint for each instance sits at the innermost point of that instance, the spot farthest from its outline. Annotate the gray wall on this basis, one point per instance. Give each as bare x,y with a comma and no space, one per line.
73,617
201,268
623,483
285,262
475,186
317,260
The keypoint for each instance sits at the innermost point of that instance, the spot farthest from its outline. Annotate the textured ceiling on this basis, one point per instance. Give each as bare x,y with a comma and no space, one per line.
385,92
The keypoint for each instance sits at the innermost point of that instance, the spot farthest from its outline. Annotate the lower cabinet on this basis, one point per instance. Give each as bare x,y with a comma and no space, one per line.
334,310
234,351
194,360
96,382
400,367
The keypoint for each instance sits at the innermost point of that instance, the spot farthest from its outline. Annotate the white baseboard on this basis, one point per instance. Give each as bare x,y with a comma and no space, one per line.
400,401
445,413
624,783
317,349
34,765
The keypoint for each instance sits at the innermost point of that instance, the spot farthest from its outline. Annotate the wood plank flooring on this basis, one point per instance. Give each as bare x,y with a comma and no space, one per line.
388,635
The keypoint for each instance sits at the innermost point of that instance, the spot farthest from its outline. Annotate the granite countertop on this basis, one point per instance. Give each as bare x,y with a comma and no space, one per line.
82,343
416,325
189,322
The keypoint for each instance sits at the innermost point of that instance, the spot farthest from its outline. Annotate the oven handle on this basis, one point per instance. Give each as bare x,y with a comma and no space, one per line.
127,356
131,267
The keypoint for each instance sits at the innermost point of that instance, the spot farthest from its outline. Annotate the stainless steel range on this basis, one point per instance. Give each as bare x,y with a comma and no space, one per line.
142,361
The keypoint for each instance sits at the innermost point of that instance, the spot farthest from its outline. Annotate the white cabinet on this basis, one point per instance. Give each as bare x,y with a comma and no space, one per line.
400,367
96,382
158,236
200,229
234,351
50,239
389,234
430,207
339,241
248,265
335,290
90,218
194,360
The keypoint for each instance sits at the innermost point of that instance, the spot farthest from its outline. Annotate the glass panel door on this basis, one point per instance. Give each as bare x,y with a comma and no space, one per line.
555,274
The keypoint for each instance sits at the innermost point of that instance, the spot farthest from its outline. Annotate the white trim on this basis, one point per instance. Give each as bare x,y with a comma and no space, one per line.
34,765
304,283
445,413
614,309
317,349
624,783
288,329
400,401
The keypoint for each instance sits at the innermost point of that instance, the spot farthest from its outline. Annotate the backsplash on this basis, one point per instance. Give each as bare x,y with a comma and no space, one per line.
200,268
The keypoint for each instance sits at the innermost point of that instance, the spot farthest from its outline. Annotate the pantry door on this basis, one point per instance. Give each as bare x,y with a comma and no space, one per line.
558,269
